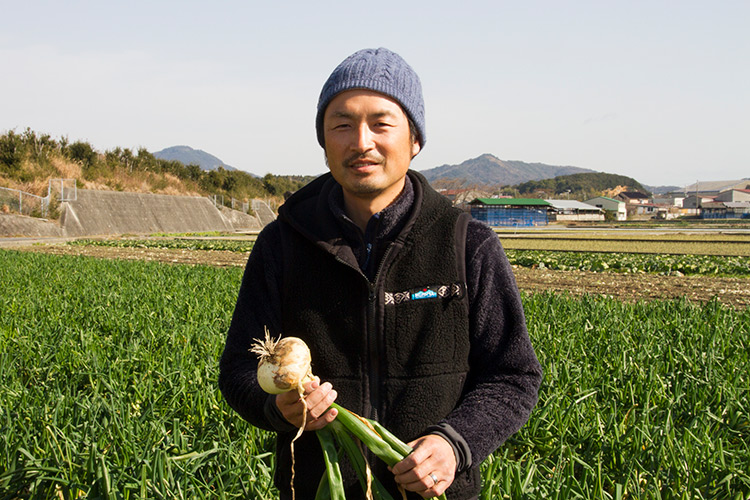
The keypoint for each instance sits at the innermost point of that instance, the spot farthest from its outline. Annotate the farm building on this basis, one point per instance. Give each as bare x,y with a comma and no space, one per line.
510,211
725,210
609,205
696,201
573,210
734,195
711,189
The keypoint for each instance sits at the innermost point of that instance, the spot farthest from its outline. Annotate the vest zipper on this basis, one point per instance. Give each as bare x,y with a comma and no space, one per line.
369,409
373,349
374,339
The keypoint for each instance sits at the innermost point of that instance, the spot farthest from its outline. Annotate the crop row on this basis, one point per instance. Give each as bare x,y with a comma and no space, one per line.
631,262
108,376
556,260
625,245
229,245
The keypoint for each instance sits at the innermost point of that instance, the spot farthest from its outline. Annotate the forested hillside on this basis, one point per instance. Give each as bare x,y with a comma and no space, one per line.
579,186
29,159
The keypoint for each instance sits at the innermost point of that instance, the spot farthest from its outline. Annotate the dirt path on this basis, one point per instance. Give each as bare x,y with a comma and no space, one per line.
731,291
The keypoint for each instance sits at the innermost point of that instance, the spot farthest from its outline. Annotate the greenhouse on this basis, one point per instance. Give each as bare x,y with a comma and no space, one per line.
514,212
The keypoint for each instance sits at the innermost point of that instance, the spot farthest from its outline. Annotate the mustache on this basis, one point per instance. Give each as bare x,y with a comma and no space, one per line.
372,157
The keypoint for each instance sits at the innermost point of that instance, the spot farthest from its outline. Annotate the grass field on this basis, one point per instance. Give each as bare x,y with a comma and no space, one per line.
108,387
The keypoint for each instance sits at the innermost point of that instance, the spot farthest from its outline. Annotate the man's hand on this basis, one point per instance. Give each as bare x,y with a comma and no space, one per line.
429,469
318,397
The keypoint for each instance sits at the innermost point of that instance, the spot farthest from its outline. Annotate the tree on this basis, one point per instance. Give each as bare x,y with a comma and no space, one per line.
82,152
11,153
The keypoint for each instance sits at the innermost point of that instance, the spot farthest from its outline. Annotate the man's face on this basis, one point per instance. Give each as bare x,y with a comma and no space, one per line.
368,145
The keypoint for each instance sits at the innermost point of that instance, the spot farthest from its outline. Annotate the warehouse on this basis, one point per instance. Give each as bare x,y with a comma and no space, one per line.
573,210
725,210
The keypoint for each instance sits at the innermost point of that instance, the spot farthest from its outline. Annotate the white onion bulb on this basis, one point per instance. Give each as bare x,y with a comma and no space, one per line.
284,364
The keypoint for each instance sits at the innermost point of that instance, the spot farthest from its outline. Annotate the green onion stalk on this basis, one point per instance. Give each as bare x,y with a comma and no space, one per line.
285,365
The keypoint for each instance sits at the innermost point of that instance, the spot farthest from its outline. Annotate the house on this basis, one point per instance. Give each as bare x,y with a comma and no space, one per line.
643,210
695,202
632,197
573,210
461,197
510,211
614,209
669,199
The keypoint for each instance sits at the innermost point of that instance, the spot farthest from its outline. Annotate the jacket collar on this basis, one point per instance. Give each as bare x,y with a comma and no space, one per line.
309,211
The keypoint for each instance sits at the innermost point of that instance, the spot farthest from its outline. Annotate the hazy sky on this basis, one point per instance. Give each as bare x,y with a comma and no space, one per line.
656,90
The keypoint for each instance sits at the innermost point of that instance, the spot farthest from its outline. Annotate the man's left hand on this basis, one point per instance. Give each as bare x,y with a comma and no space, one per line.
429,469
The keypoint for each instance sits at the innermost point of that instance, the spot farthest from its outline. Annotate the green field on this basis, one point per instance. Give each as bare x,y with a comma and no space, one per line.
108,389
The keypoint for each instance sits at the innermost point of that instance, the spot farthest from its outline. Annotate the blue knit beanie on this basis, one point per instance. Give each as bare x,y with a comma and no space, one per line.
379,70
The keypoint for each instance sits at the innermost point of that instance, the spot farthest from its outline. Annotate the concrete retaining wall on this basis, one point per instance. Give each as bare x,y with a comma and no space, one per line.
108,212
22,225
102,213
241,221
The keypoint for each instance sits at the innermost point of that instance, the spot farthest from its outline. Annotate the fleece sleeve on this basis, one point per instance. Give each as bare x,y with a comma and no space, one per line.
257,310
505,374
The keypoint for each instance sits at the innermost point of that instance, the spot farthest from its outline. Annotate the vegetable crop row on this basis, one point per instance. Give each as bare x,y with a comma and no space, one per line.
108,376
631,262
556,260
171,243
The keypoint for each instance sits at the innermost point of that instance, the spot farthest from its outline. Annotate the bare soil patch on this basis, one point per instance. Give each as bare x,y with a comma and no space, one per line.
733,292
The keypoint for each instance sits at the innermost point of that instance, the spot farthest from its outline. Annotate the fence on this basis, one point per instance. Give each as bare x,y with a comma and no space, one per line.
67,191
243,206
17,201
13,200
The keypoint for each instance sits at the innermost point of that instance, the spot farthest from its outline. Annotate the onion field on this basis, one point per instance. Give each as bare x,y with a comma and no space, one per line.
108,389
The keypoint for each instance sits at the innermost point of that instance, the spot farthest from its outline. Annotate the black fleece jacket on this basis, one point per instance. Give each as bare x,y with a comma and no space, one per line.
504,375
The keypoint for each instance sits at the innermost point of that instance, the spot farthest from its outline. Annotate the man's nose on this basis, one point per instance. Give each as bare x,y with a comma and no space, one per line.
364,138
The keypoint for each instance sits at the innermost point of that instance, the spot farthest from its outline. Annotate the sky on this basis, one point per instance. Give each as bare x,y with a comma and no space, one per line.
655,90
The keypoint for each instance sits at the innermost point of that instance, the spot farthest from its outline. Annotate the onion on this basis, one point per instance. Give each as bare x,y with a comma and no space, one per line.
284,364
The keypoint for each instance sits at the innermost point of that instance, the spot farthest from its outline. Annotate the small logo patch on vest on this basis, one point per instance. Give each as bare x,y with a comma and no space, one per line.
454,290
424,293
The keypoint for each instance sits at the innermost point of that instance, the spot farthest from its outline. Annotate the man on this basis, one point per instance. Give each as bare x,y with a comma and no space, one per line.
411,310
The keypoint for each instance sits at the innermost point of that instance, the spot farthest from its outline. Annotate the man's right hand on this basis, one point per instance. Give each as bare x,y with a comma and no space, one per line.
318,397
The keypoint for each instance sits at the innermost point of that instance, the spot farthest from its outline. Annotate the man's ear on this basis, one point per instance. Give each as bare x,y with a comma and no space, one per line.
415,148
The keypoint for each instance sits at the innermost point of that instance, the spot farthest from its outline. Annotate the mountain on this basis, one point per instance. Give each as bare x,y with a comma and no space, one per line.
189,156
663,189
488,170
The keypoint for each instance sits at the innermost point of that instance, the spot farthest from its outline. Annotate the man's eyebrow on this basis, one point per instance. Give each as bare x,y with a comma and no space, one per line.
349,115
